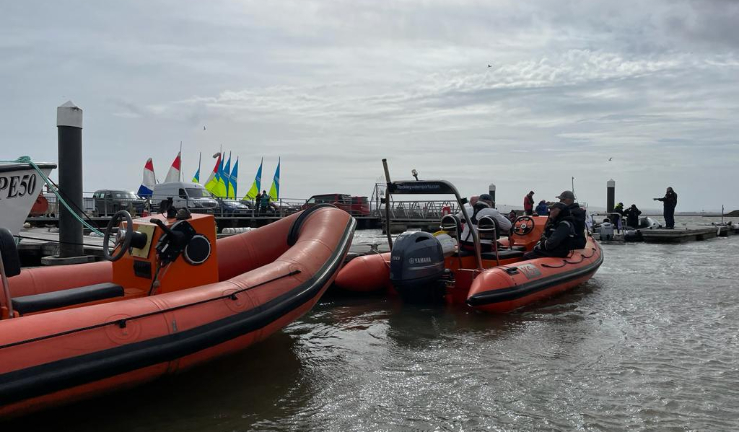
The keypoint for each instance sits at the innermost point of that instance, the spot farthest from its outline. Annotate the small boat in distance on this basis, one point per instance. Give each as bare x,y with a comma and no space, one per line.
20,185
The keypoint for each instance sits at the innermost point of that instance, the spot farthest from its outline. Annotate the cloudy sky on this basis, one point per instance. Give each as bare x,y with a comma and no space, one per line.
525,95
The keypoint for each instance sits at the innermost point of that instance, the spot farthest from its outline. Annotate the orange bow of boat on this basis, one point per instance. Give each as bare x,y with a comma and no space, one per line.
168,304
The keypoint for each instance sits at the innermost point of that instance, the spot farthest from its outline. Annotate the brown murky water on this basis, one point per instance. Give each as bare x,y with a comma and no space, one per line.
650,343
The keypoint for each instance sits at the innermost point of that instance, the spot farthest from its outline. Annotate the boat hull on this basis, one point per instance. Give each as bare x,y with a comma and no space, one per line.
20,184
509,287
366,273
59,356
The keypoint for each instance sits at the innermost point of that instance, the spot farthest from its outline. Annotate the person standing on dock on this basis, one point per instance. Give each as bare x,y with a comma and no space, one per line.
257,203
670,202
632,216
617,216
528,204
265,201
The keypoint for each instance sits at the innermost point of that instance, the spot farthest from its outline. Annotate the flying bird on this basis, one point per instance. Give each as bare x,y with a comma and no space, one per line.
489,66
610,159
203,127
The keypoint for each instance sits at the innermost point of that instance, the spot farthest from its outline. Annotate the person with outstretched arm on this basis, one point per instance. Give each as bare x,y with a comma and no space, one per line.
670,202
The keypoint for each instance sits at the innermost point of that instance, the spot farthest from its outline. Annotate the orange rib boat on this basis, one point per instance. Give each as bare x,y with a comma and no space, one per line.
497,282
172,298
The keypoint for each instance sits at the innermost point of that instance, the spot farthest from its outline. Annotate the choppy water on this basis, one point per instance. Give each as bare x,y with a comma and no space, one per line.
650,343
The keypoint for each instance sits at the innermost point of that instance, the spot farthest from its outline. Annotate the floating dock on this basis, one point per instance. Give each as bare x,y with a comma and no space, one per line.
677,235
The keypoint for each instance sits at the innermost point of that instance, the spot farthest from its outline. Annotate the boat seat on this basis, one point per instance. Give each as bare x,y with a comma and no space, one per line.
67,297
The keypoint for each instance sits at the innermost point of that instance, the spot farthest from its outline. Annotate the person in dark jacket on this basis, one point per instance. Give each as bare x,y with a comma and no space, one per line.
579,217
558,234
542,209
632,216
670,202
258,203
528,204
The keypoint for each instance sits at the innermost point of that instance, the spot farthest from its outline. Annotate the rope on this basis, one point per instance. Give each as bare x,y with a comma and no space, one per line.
54,189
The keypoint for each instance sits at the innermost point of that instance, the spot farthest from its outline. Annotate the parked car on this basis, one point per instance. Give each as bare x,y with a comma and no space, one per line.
229,207
354,205
192,196
360,206
107,202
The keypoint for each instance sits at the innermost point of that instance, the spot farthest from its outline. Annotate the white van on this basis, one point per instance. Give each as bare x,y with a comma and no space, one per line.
184,195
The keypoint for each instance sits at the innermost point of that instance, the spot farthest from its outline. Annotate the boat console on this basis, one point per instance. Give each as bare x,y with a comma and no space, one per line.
149,256
159,254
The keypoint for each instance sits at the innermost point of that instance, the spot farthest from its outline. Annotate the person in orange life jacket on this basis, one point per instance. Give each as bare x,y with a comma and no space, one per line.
528,203
484,207
558,235
579,217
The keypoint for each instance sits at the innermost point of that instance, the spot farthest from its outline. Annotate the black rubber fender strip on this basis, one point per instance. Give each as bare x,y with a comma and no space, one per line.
11,260
292,235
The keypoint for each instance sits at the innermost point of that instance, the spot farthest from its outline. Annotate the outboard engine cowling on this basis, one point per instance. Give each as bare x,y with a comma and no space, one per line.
417,267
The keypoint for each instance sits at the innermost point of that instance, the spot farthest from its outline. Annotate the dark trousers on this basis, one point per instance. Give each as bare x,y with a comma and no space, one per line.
528,212
670,217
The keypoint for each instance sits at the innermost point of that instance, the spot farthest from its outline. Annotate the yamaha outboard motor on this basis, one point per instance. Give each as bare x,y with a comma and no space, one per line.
417,267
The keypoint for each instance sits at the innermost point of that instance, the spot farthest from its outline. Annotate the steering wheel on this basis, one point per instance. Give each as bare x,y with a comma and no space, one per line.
523,225
125,242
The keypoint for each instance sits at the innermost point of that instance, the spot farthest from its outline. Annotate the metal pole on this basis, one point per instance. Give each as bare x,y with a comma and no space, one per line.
610,195
69,127
387,204
573,185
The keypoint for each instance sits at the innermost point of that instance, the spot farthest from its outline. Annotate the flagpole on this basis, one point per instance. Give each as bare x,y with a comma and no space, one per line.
179,177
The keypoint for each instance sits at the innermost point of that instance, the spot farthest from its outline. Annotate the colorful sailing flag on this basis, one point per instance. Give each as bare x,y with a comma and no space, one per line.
256,186
227,176
221,177
213,179
234,180
174,171
274,191
196,177
147,184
